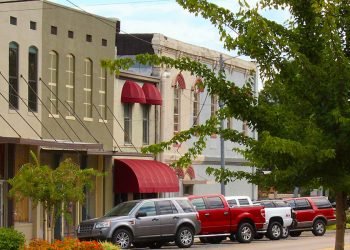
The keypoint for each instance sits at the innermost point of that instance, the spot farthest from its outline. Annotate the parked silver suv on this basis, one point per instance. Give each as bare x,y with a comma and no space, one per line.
145,223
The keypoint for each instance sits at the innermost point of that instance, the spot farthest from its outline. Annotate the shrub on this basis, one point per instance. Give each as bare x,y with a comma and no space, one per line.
66,244
109,246
11,239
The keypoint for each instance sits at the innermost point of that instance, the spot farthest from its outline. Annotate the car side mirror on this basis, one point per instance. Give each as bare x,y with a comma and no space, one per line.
141,214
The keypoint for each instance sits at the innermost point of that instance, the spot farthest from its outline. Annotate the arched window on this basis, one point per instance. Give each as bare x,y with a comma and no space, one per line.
88,87
177,98
102,92
33,79
53,83
13,75
70,84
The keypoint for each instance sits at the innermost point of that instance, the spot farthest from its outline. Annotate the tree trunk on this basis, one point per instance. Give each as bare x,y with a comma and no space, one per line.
341,220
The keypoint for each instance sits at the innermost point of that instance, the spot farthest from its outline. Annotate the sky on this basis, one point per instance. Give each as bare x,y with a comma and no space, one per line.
165,17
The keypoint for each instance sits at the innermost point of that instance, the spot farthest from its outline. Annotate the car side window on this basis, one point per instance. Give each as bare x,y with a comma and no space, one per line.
149,207
232,203
267,204
291,203
186,206
321,202
281,204
243,202
166,207
302,204
215,202
199,204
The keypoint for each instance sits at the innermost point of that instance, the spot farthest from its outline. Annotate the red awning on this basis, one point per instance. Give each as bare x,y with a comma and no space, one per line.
144,176
132,93
152,94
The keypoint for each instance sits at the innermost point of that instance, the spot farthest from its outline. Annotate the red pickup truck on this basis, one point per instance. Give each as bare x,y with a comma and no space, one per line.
311,214
219,220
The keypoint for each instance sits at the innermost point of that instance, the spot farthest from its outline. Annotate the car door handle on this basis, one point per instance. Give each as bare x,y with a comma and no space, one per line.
207,214
155,219
175,217
226,213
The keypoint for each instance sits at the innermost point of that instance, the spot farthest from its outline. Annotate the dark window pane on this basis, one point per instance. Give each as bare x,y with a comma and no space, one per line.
53,30
13,20
104,42
33,79
232,203
13,75
322,202
149,208
243,202
145,127
70,34
186,206
165,207
199,204
32,25
291,203
88,38
301,204
215,202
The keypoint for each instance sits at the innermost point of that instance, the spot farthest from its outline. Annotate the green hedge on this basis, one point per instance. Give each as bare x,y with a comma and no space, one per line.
11,239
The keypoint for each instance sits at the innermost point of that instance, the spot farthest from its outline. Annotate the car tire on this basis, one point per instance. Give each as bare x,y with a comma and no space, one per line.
285,232
319,228
184,237
122,238
295,233
156,245
245,233
274,231
215,240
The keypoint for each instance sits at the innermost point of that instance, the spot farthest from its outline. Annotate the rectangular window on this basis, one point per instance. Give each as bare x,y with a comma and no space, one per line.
102,92
13,75
88,88
70,84
176,110
70,34
213,105
89,38
215,202
32,25
196,108
166,207
127,123
13,20
199,204
53,71
104,42
145,124
33,80
53,30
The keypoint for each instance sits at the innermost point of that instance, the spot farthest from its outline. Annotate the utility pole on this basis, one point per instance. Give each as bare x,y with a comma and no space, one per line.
222,142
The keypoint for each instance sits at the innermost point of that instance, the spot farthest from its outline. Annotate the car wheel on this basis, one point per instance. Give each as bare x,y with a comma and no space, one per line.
319,228
203,240
285,232
295,233
184,237
215,240
274,231
122,238
156,245
245,233
259,236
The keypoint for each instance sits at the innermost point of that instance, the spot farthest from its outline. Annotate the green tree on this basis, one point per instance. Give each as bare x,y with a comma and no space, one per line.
54,189
302,115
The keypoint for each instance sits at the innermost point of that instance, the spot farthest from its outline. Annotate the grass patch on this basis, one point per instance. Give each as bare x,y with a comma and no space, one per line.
333,227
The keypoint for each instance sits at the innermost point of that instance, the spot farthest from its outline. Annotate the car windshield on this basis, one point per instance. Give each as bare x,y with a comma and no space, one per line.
123,209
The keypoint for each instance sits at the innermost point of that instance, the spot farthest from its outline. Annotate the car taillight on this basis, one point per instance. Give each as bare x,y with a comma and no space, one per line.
262,211
335,212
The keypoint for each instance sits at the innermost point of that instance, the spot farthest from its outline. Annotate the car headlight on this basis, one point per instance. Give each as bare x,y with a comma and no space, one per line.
103,224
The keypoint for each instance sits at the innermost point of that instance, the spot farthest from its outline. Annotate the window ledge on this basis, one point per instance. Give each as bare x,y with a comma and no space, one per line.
54,116
88,119
70,117
102,121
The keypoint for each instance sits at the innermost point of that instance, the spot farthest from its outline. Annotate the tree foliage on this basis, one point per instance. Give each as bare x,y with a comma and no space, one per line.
54,189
